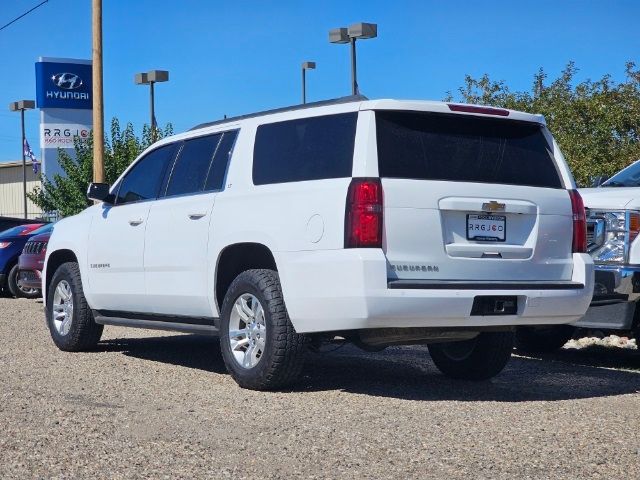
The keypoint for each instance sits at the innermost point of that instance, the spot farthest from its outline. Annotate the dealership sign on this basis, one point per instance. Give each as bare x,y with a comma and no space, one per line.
63,85
62,135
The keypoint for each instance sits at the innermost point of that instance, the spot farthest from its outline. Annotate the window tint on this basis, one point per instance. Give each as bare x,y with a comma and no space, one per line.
304,149
215,178
429,146
143,180
191,167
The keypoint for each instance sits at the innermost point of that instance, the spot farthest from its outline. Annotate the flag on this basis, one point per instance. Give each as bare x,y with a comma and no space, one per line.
29,154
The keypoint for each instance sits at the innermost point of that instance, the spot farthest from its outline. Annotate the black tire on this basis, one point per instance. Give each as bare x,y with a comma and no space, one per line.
480,358
83,333
14,288
543,339
284,350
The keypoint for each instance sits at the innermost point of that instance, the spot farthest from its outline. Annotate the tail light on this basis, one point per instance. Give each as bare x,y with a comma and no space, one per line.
363,216
579,223
4,244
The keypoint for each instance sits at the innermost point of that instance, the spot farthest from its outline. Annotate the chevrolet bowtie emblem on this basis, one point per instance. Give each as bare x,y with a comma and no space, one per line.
493,206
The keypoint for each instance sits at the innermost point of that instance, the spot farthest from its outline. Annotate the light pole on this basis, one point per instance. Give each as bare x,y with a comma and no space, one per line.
150,78
21,106
306,66
350,35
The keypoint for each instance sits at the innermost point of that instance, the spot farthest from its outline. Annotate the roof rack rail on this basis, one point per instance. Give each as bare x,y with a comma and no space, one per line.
302,106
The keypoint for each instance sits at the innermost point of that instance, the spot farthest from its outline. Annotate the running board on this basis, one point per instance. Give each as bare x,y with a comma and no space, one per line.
156,325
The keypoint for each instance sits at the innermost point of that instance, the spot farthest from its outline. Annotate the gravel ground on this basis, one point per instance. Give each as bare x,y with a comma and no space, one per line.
153,405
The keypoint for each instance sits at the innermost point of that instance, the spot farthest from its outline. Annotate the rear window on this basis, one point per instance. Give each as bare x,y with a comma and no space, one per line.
463,148
304,149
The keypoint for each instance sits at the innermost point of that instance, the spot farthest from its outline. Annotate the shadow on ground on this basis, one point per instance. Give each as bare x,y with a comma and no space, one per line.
408,372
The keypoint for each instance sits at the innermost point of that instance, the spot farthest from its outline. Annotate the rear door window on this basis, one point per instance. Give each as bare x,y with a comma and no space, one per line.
220,163
304,149
464,148
192,165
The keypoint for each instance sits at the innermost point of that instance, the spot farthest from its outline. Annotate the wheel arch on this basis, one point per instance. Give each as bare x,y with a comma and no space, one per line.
54,260
237,258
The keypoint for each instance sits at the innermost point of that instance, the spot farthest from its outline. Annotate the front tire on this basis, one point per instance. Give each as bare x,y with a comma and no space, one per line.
16,290
259,345
543,339
480,358
69,317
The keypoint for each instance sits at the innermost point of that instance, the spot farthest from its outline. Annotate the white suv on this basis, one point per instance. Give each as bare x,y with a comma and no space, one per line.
377,222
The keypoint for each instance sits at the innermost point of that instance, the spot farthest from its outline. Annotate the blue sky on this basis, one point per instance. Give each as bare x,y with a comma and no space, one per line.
243,56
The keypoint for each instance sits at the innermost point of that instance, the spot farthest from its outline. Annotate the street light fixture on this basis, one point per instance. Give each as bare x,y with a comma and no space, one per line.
356,31
306,66
21,106
150,78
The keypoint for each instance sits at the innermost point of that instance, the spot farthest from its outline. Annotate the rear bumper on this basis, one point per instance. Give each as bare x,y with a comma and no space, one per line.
348,290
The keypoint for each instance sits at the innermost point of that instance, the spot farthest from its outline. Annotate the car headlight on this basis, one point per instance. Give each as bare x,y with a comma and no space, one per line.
610,233
4,244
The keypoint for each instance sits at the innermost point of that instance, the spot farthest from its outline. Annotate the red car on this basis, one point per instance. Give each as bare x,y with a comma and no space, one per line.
31,261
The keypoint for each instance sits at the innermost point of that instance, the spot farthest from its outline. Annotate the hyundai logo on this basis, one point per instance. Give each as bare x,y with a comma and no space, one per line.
67,81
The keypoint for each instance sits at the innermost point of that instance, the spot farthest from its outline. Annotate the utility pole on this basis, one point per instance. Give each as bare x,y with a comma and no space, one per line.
98,103
21,106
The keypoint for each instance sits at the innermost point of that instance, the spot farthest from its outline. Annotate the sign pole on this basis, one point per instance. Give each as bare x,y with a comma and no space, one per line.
24,167
98,116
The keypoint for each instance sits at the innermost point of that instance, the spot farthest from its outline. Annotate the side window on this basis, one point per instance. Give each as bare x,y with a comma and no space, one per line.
215,178
192,165
304,149
144,179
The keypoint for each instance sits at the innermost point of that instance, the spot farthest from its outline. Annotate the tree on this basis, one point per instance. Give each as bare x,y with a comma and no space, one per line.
596,123
68,194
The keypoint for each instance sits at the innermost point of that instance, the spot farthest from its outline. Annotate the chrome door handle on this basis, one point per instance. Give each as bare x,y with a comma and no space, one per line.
135,221
196,216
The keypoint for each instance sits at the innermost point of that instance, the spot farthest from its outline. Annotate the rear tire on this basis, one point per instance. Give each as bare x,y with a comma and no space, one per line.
480,358
69,317
259,345
543,339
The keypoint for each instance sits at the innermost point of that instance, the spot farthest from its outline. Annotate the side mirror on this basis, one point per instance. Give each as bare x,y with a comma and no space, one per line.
99,192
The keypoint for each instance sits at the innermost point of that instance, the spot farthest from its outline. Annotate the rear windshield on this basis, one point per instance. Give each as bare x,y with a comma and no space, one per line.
432,146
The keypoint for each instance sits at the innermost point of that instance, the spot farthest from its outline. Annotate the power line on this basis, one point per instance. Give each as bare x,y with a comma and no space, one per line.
23,15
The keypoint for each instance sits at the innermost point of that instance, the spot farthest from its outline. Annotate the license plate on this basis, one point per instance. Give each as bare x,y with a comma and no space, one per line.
489,228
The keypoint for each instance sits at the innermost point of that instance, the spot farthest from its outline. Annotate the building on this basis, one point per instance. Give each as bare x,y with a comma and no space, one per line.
11,193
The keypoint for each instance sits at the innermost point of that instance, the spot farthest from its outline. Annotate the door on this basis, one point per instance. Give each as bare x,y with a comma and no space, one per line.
176,262
472,198
116,238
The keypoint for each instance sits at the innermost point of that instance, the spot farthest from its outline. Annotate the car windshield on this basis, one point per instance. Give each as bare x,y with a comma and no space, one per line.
21,230
627,177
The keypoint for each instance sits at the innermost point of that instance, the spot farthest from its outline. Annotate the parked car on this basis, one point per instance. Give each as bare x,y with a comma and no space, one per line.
31,261
613,225
11,243
10,222
379,222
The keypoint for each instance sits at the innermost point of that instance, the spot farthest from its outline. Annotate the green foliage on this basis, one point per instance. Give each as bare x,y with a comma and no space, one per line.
67,194
596,123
